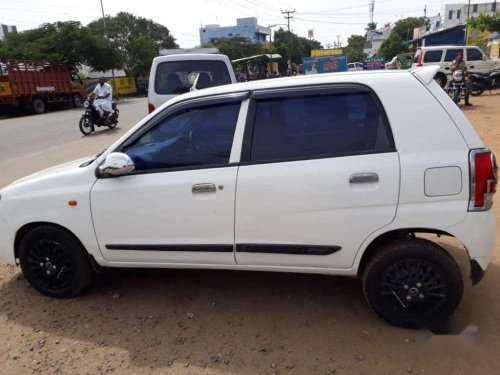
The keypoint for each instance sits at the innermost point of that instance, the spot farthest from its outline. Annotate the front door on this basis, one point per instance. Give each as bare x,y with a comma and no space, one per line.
321,174
178,205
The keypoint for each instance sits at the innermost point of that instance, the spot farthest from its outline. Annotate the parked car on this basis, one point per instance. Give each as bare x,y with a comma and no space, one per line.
334,174
355,66
177,74
443,56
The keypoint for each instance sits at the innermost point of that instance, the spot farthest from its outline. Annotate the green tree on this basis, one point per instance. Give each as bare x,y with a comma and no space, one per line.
404,28
237,47
354,49
485,22
124,28
142,50
61,42
292,47
371,26
392,46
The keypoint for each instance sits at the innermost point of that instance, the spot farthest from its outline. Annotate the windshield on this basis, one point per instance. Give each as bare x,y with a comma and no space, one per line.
177,77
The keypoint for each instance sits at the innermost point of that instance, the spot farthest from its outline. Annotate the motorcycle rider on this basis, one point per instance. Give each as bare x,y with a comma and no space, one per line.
459,64
104,97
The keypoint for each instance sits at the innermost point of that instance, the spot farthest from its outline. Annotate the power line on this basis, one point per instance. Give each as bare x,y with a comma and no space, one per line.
47,5
52,13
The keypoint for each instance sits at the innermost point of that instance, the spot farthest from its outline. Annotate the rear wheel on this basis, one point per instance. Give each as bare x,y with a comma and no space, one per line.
413,283
476,91
54,262
38,106
85,126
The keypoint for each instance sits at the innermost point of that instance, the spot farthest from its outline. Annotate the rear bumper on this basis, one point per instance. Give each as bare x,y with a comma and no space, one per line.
477,234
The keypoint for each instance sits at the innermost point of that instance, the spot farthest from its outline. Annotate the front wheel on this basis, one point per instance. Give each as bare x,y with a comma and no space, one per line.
413,283
54,262
456,96
85,126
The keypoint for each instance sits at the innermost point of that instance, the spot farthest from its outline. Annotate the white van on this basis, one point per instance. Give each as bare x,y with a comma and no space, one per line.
177,74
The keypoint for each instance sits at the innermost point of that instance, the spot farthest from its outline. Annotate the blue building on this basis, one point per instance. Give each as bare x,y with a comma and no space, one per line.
245,27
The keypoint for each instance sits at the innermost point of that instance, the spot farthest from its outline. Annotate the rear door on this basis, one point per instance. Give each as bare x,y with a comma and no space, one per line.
319,174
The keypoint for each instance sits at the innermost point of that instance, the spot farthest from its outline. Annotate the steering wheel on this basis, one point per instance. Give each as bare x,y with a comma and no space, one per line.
198,143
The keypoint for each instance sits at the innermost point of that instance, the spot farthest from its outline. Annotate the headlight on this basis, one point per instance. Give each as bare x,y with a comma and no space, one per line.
86,103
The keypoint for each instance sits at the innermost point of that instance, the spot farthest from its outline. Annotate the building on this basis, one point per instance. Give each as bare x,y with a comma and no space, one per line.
456,14
375,38
454,36
7,29
245,27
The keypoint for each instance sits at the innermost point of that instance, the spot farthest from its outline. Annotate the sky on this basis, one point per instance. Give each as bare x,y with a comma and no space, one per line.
331,20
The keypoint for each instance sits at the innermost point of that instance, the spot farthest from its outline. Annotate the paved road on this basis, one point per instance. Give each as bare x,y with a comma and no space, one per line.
39,141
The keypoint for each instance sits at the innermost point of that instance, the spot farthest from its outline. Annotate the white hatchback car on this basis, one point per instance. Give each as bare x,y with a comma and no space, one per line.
330,174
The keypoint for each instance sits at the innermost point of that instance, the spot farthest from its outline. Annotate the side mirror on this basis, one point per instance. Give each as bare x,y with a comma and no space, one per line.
116,164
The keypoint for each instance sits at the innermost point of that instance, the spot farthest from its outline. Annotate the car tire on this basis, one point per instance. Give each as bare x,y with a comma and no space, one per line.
38,106
413,283
54,262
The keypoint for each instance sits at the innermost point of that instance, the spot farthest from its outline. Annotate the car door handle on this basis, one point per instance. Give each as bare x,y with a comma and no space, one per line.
204,188
363,178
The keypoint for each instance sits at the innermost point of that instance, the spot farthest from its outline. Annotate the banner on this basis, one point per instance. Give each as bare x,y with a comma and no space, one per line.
326,52
374,63
326,64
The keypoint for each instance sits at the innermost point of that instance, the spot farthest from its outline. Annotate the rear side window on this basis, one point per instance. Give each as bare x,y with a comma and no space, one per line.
318,126
451,54
473,54
433,56
177,77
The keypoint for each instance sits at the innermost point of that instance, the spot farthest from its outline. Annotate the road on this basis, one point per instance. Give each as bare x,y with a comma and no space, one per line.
222,322
39,141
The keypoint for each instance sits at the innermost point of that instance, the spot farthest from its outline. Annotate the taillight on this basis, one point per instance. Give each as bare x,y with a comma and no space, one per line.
151,107
483,179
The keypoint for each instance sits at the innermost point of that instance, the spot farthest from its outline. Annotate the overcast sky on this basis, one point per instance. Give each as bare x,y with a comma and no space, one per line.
328,18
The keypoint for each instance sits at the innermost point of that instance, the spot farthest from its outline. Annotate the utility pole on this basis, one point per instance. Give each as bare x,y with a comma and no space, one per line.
288,16
467,23
112,69
425,11
338,41
371,9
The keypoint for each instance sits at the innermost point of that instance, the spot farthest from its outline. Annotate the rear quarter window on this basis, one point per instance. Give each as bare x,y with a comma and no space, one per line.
176,77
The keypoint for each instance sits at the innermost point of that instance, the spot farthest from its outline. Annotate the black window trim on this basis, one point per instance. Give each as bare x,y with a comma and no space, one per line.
325,89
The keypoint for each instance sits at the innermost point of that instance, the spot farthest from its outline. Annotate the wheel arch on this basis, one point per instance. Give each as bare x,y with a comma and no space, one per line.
378,242
26,228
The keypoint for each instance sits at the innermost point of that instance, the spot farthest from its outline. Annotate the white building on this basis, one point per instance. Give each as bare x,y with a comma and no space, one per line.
7,29
456,14
375,38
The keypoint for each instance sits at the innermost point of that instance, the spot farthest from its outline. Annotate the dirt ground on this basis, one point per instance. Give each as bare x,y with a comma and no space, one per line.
222,322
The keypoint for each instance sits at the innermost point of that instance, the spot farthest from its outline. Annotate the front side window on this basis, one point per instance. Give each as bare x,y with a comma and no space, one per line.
473,54
433,56
451,54
177,77
318,126
190,137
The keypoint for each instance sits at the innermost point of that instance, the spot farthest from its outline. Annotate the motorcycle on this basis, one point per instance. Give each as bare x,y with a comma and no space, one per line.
482,82
91,118
457,88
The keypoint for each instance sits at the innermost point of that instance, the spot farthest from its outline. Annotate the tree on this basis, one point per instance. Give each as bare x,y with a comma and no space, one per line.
61,42
124,28
485,22
371,26
237,47
142,50
392,46
292,47
404,28
354,49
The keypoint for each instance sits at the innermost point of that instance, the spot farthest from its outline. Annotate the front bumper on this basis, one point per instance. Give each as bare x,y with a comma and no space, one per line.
6,243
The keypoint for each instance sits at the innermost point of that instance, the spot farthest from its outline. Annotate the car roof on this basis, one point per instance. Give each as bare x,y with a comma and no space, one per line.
191,56
444,47
285,82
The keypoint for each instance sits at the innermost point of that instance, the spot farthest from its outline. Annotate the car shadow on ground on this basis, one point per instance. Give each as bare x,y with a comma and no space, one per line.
221,319
102,131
